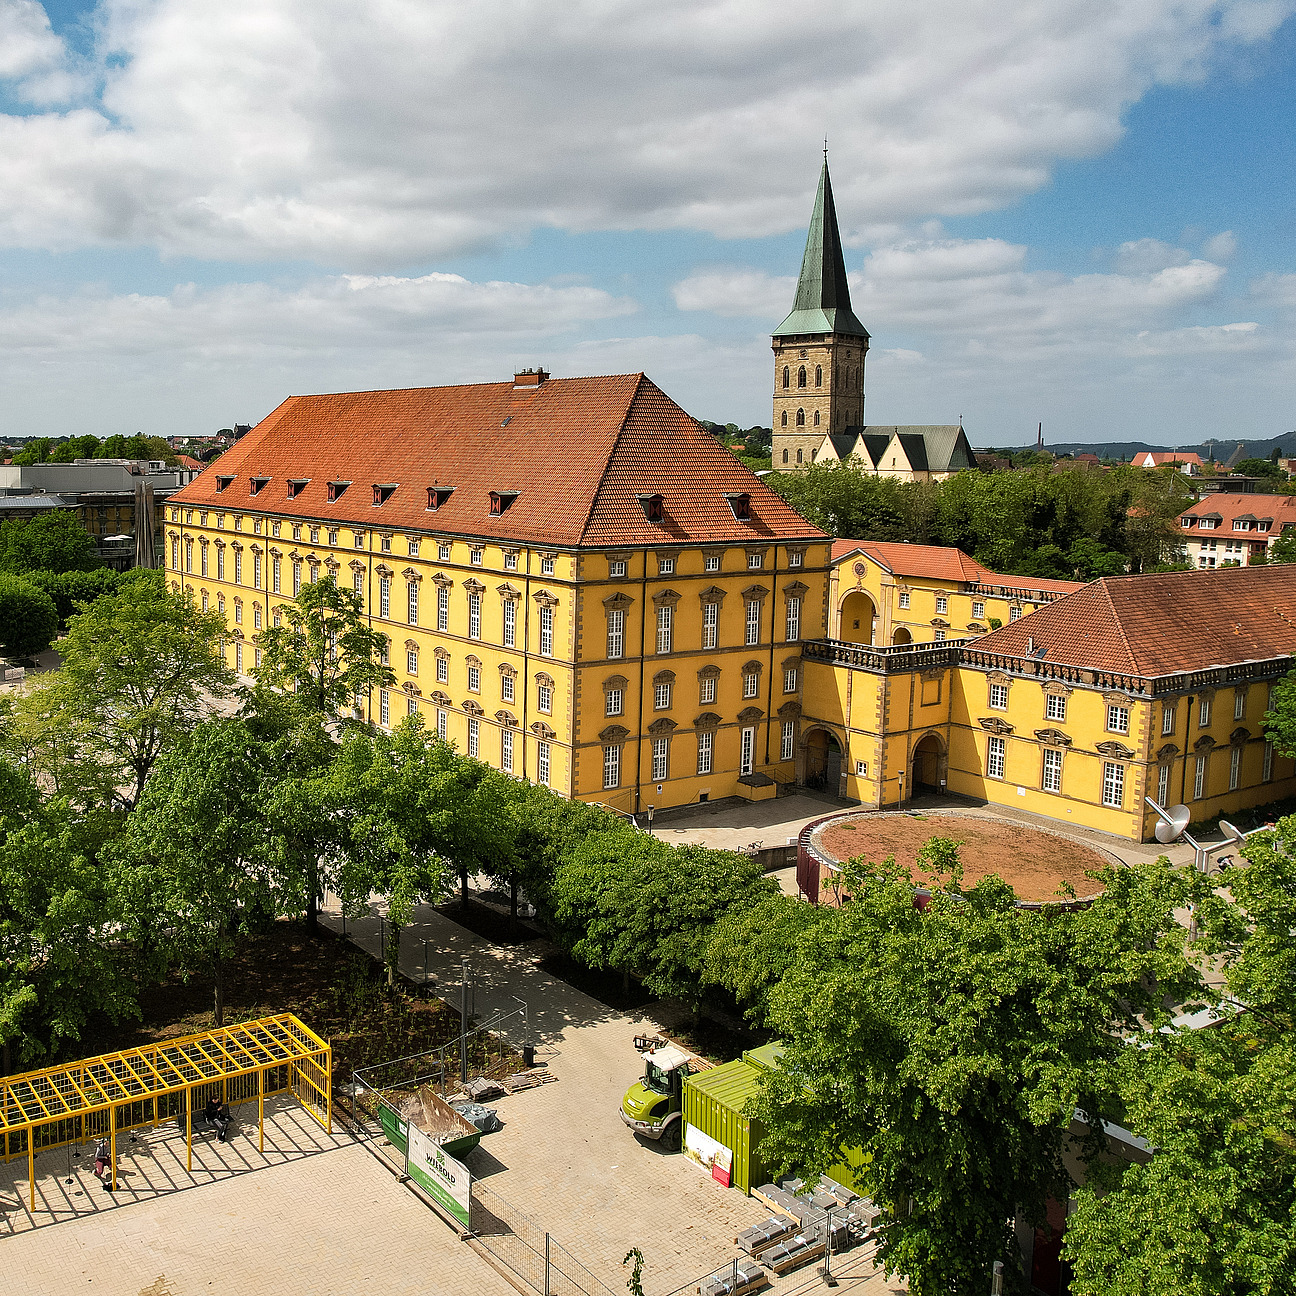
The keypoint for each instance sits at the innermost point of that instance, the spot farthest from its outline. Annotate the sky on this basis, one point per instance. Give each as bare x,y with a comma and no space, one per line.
1074,212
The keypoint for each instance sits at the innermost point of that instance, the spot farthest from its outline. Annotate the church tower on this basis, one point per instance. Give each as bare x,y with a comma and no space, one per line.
819,349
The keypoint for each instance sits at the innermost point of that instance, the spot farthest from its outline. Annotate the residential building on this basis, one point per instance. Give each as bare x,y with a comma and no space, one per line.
896,593
1130,687
1234,530
576,582
1185,460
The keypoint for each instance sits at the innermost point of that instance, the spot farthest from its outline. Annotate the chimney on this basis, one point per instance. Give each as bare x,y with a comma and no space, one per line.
529,378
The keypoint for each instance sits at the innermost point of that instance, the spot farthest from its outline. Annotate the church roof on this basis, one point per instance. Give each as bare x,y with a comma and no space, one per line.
822,303
581,454
929,447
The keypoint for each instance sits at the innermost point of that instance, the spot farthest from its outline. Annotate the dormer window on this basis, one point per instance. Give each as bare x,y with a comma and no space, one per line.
296,487
336,489
740,503
383,492
257,484
222,483
651,505
501,501
437,496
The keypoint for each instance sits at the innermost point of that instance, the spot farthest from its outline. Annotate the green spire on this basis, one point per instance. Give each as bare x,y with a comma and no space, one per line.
822,302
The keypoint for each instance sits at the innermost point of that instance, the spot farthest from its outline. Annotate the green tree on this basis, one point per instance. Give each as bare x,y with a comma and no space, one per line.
1280,721
1260,468
953,1044
28,619
53,541
37,450
1283,549
1211,1213
71,589
140,668
82,447
323,651
193,859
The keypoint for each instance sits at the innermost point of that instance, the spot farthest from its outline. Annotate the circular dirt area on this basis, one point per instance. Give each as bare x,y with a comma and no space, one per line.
1035,863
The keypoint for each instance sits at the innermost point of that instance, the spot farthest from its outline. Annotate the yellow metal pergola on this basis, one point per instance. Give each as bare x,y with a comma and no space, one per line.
96,1097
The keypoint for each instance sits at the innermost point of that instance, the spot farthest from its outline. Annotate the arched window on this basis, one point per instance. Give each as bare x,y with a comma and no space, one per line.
785,418
786,376
816,418
801,376
800,418
785,459
798,456
818,375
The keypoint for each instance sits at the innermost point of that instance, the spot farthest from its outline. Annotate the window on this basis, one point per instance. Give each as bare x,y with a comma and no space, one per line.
411,603
611,767
786,747
413,545
510,623
443,551
443,670
665,628
220,602
297,577
474,736
999,697
506,688
615,634
256,616
801,376
1266,772
278,621
1051,779
510,560
384,595
660,759
238,566
787,377
747,751
357,583
443,608
474,680
334,535
238,657
617,567
1163,785
542,763
442,725
411,661
861,768
1199,777
384,707
1167,720
753,622
818,375
1055,707
547,565
614,700
978,609
385,544
1014,614
1118,719
475,556
1205,713
356,536
204,600
1235,768
411,705
751,685
942,604
995,757
506,750
238,611
708,689
665,566
710,624
712,561
1113,785
793,619
790,680
903,598
705,751
314,573
474,615
795,558
202,558
1239,705
755,561
188,555
661,697
940,636
544,699
256,571
546,631
314,535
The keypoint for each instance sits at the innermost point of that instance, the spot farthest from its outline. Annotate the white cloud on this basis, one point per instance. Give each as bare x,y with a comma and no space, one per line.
735,292
1222,247
32,58
380,135
1144,256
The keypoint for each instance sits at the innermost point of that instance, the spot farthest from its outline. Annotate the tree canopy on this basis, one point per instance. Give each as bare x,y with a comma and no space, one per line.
54,541
28,619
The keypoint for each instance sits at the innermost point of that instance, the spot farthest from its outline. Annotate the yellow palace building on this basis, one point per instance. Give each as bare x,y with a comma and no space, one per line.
577,583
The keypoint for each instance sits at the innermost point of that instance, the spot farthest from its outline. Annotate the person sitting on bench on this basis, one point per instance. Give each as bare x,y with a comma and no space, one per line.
217,1117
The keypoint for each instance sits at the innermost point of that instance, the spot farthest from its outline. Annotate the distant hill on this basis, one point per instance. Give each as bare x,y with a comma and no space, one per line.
1220,449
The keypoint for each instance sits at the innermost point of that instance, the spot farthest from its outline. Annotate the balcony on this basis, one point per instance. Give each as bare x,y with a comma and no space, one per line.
884,659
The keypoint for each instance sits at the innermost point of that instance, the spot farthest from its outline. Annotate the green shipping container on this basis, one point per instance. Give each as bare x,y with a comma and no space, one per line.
713,1106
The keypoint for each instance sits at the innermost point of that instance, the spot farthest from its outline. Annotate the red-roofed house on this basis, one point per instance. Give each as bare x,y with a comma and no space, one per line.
1234,530
577,582
1191,463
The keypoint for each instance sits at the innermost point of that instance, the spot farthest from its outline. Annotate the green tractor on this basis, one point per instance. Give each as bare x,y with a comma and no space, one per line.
654,1106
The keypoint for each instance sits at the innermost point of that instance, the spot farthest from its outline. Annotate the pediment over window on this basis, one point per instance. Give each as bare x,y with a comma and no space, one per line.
995,725
1168,752
756,592
506,718
1053,737
614,734
617,602
1118,699
615,682
545,599
411,575
441,698
666,598
1240,735
707,720
712,594
709,672
749,714
751,668
472,660
1204,743
441,580
798,589
507,591
474,586
473,708
664,677
438,651
789,710
1117,751
542,730
662,726
382,569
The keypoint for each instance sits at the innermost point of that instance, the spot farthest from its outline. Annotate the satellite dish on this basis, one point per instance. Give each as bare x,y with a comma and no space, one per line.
1232,832
1170,828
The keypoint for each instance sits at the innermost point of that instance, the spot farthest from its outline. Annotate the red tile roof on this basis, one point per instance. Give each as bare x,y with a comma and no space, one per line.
1281,508
188,461
1164,623
939,562
578,450
1160,458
